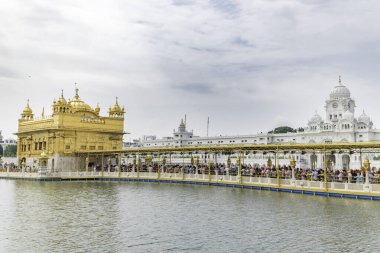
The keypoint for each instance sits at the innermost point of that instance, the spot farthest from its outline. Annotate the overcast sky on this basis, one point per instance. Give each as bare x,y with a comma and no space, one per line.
250,65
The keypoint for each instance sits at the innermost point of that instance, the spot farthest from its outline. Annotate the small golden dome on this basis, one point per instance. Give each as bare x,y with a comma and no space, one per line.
97,109
182,124
78,105
27,113
27,110
61,100
116,109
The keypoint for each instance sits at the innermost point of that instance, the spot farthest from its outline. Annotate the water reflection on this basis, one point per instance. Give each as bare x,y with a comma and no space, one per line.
138,217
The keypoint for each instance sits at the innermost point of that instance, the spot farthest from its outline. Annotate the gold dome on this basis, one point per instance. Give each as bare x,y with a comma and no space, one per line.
97,109
27,113
116,110
61,100
78,105
182,124
27,110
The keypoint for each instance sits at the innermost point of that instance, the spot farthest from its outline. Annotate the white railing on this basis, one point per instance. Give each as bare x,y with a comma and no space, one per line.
259,181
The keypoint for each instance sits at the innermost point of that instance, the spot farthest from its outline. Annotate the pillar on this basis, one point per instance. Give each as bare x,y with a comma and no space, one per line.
209,170
119,164
325,169
87,162
102,167
109,165
293,165
159,166
277,169
367,167
239,173
183,165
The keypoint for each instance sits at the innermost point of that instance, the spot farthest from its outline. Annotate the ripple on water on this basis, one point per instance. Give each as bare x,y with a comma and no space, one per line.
138,217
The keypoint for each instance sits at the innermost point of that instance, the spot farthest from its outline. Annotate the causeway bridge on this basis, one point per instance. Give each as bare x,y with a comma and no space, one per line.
203,165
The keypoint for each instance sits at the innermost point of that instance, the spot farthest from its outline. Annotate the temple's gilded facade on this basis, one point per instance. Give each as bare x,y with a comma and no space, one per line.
73,127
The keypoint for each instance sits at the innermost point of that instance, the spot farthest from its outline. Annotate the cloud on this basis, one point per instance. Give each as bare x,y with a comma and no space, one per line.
198,88
229,8
246,63
183,2
243,42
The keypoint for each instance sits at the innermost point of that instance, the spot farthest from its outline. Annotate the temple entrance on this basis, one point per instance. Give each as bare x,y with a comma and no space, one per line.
331,161
313,161
345,162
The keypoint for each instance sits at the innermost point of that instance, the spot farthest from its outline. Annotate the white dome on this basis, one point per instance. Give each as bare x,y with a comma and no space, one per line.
364,118
340,91
348,116
316,119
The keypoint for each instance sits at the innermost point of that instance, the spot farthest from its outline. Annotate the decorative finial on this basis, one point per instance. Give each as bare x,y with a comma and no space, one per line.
62,93
340,80
116,100
76,91
27,102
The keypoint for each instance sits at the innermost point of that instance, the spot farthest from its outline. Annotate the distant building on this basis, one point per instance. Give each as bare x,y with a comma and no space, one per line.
6,142
339,125
53,142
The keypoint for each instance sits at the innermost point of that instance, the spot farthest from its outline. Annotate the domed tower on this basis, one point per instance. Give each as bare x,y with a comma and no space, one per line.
182,127
315,122
339,102
27,113
61,105
97,110
116,111
364,121
77,105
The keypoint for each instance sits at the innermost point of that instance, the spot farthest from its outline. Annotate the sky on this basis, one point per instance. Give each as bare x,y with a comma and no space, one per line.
249,65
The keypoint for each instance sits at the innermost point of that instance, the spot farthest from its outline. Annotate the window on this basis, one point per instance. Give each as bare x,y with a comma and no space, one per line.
67,146
92,147
83,147
114,148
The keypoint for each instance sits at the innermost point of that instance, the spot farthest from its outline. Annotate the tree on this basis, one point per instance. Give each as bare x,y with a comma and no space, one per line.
282,130
10,151
1,150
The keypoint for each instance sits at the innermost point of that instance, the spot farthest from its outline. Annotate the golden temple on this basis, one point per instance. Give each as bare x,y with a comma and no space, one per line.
53,142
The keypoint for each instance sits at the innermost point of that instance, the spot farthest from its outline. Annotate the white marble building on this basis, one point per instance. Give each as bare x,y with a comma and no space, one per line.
339,125
6,142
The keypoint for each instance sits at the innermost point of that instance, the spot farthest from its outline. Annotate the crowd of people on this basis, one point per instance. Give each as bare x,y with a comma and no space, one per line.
285,172
247,170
